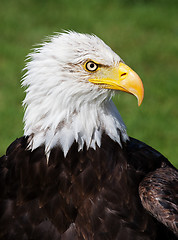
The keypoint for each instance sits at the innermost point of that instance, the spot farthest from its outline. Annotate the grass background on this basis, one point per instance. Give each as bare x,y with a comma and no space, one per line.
144,33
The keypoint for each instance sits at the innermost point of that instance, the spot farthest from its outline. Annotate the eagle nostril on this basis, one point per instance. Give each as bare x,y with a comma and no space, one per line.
123,74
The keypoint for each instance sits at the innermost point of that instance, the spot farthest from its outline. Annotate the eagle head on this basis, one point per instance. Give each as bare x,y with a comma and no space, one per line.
69,82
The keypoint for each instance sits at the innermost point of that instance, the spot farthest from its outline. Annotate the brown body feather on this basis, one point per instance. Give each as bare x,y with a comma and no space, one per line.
91,194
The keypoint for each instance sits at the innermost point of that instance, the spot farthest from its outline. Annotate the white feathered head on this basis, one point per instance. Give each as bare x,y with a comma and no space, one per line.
69,82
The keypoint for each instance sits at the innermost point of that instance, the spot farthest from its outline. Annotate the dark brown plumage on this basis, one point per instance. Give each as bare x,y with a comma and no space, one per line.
76,176
91,194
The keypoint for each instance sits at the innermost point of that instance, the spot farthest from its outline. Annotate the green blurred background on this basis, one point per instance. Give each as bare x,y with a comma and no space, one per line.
143,33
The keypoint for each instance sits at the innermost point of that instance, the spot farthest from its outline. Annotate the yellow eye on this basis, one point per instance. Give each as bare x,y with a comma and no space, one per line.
91,66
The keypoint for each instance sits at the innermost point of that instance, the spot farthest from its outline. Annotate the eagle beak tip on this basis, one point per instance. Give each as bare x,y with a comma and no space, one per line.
140,99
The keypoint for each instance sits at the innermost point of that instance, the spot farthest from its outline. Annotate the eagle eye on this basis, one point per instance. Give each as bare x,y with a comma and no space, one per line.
91,66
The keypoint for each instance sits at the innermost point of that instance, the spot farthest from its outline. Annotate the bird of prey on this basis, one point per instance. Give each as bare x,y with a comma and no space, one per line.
75,174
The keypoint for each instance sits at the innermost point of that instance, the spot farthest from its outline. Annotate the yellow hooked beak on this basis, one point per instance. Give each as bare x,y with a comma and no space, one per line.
121,78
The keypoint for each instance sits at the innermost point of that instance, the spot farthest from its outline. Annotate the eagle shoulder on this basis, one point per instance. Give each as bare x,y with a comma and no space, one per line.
159,195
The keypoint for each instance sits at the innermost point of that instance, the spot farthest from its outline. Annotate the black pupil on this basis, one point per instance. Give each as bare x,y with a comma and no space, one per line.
92,65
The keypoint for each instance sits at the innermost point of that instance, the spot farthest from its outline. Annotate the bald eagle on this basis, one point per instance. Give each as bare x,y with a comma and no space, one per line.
75,174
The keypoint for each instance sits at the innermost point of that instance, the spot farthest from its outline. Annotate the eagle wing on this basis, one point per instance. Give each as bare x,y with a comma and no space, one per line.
159,195
158,189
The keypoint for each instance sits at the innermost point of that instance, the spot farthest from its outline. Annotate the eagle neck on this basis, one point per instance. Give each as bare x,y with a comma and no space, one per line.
84,126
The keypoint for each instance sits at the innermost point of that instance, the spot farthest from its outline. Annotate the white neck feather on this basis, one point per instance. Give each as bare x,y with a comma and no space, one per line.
62,128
